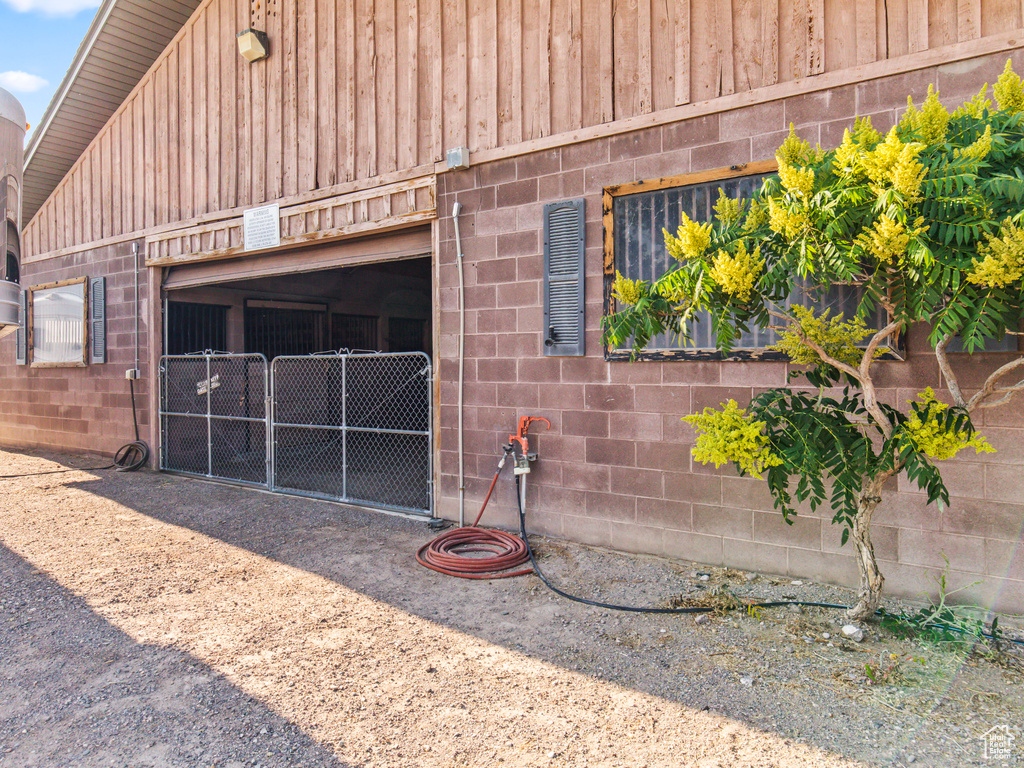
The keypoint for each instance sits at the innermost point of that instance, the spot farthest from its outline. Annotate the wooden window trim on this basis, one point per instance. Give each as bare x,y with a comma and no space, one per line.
612,354
667,182
30,323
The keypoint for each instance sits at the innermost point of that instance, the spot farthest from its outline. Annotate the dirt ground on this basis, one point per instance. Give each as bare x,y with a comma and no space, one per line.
154,620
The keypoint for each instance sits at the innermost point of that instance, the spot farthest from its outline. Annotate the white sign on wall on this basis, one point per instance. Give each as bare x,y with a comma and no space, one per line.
261,228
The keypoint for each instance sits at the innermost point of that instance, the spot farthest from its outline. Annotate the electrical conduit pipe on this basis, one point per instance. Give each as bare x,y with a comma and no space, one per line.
456,210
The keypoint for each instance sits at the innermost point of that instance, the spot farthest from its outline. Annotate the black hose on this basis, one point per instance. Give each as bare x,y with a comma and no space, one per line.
134,455
633,608
130,457
642,609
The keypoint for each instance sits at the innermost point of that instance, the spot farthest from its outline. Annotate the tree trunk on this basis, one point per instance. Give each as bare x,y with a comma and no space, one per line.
870,593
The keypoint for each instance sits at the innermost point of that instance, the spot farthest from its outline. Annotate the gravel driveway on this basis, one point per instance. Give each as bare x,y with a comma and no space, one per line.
153,620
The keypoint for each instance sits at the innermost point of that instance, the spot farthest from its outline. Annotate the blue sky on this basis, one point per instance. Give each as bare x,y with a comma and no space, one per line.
38,39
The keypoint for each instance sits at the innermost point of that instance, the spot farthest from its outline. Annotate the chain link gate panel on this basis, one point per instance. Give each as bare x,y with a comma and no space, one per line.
214,416
354,428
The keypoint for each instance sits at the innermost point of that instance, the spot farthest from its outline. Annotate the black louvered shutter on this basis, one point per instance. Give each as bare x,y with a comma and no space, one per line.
98,320
563,278
21,343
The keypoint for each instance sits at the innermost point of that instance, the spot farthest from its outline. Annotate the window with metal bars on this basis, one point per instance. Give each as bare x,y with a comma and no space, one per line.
636,215
196,328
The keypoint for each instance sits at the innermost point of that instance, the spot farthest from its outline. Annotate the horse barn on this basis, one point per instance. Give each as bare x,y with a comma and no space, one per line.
340,247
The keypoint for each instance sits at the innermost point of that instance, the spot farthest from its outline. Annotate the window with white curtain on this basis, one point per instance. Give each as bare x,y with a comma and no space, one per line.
58,324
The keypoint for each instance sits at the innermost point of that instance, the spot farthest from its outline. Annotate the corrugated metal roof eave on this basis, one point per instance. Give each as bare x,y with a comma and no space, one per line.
51,151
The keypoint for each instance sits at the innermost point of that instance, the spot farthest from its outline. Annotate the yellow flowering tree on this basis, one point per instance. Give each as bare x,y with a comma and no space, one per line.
927,222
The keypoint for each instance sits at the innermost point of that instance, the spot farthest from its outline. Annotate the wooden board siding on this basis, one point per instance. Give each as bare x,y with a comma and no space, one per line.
388,207
355,90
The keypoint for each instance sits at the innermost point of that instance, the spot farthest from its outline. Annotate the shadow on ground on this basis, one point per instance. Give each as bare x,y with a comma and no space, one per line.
373,554
77,691
314,614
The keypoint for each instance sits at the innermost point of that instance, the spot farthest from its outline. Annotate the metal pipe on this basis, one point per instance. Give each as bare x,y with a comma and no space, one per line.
344,425
270,436
209,421
135,253
456,210
331,427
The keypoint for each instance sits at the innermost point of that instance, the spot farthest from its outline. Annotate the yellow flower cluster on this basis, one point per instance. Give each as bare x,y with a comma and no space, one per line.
975,107
787,222
887,240
865,134
727,209
756,216
979,148
737,274
930,123
1002,262
793,150
1008,91
626,291
907,175
847,157
930,436
690,241
862,140
838,338
798,181
895,163
731,434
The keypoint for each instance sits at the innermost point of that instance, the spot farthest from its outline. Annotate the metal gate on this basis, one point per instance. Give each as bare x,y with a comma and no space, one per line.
345,427
354,427
213,416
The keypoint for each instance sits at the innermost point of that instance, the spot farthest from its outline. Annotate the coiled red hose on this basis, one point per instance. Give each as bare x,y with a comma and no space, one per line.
476,553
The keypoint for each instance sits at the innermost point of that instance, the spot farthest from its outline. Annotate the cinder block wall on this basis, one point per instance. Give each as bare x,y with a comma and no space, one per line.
615,469
89,408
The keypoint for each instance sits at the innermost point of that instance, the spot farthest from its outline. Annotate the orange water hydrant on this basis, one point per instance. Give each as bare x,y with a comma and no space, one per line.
522,466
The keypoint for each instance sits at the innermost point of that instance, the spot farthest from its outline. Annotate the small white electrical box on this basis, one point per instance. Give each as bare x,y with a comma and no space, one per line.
133,374
458,159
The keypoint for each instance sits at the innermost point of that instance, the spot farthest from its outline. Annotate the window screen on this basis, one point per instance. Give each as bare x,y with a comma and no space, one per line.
640,252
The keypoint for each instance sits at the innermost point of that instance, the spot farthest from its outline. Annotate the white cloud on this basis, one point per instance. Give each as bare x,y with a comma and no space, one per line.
21,82
52,7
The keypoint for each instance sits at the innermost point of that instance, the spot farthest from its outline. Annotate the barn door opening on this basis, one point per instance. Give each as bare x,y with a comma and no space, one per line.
346,413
